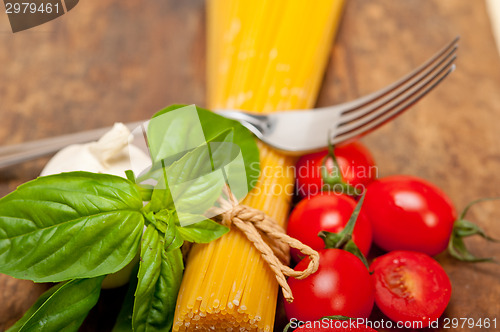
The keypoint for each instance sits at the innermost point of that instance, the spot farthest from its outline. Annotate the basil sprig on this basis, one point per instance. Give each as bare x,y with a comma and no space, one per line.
77,227
68,226
160,274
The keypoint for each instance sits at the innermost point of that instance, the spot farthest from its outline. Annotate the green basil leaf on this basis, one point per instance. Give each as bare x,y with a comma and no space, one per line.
161,197
213,125
191,181
217,158
159,278
155,219
124,319
146,192
171,136
202,232
69,225
62,308
165,222
196,187
173,238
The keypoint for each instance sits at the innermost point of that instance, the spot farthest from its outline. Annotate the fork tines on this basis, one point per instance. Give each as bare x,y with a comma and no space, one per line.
372,111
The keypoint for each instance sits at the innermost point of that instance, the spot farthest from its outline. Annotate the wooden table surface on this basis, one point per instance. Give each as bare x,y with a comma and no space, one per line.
122,60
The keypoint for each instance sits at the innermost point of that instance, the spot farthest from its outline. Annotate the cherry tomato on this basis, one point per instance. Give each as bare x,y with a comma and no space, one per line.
329,212
355,162
341,286
408,213
334,326
410,287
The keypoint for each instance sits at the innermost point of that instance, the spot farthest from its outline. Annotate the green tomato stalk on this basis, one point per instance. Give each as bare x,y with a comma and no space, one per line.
333,181
463,228
343,239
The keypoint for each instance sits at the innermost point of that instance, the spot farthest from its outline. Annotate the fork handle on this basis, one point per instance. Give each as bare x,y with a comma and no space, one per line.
18,153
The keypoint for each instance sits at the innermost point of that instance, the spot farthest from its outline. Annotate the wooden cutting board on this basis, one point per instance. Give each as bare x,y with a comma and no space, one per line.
122,60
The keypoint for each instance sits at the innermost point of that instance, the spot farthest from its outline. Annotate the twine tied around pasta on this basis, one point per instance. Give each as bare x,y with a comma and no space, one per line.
268,237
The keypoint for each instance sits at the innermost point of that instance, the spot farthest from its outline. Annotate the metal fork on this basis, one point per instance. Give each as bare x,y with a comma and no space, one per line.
290,131
299,132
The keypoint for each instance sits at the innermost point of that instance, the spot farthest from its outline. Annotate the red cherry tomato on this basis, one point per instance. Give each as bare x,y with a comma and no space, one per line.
335,326
410,287
355,162
329,212
341,286
408,213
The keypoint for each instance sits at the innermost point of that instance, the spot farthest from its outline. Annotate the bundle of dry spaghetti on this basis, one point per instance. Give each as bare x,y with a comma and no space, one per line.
262,56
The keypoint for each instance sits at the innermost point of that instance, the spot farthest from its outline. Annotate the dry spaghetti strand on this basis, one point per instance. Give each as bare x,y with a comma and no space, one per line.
262,56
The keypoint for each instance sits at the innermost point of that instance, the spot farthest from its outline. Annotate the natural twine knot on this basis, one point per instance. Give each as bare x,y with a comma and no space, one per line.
268,237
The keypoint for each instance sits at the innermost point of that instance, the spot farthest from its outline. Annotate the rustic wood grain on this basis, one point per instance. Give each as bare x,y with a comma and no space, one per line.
122,60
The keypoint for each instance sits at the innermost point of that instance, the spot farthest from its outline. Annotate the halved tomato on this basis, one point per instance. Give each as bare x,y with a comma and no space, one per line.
410,287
